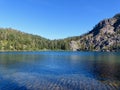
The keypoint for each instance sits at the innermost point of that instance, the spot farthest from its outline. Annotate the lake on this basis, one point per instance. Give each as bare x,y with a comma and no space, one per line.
59,70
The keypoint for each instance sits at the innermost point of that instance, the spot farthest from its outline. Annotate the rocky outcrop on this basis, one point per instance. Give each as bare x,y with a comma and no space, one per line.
74,45
105,36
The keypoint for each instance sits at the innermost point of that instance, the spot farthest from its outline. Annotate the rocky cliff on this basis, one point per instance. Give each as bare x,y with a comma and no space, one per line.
105,36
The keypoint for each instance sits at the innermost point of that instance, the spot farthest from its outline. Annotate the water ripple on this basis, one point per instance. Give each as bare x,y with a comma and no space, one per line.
34,81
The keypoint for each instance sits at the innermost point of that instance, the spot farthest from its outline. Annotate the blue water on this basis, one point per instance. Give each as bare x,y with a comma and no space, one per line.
59,70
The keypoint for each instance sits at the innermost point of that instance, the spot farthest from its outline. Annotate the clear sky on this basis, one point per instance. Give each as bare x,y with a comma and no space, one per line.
55,19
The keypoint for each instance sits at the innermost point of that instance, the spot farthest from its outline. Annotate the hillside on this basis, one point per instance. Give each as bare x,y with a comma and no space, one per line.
15,40
11,39
105,36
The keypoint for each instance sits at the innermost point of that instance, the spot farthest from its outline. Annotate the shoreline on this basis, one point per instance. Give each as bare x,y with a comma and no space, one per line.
55,50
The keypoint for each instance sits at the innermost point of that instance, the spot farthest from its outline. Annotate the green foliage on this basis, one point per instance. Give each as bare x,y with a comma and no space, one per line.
11,39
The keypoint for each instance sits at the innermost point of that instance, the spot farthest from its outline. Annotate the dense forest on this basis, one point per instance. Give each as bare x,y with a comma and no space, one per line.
11,39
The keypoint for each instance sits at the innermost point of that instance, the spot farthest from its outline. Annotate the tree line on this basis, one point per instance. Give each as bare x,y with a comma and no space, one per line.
11,39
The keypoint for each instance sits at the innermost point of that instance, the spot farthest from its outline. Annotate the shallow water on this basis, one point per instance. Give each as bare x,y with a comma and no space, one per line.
52,70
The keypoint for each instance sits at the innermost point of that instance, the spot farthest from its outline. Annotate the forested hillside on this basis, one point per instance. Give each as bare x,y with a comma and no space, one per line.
11,39
15,40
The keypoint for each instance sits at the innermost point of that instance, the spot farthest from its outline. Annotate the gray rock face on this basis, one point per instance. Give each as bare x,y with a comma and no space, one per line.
74,45
105,36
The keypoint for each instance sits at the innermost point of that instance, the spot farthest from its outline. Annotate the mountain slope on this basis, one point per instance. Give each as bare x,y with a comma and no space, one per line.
15,40
105,36
11,39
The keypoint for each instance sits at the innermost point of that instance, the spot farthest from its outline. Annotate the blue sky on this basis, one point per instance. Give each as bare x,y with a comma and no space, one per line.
55,19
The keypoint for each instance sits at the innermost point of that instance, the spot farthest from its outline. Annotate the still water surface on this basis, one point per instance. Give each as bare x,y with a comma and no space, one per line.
52,70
